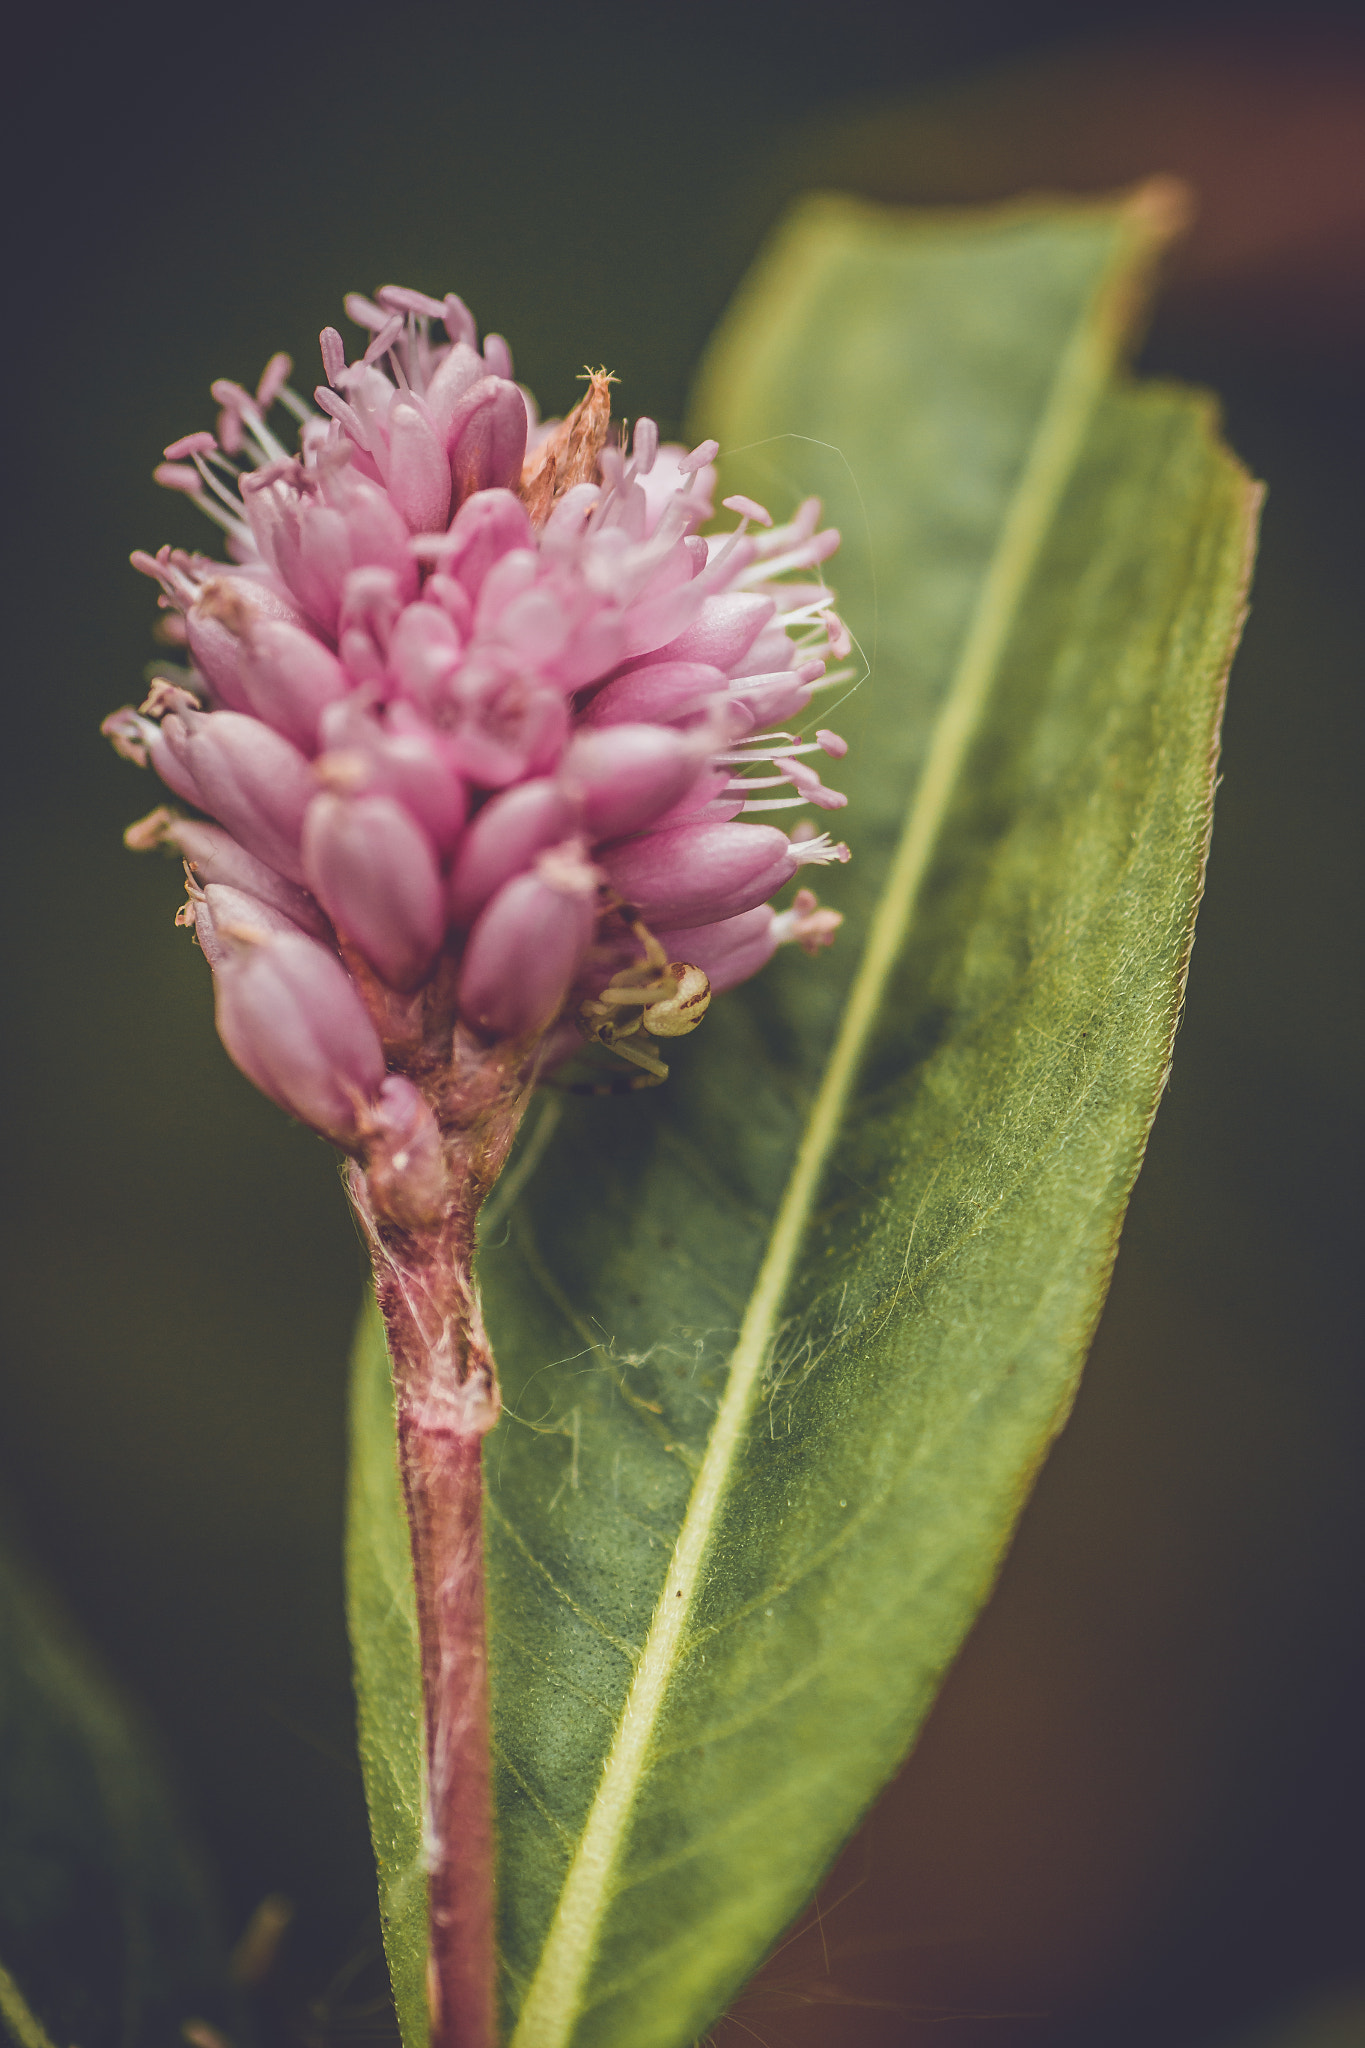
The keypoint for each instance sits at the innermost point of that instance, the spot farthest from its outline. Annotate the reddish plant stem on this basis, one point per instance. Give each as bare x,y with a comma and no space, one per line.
447,1400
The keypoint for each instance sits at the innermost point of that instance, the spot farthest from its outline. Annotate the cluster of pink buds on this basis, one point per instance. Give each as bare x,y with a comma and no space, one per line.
474,721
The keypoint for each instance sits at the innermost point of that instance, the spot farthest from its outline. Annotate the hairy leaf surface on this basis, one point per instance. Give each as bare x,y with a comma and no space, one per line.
784,1342
108,1935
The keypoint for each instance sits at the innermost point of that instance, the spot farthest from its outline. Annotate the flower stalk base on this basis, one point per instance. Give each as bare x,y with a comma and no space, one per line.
446,1397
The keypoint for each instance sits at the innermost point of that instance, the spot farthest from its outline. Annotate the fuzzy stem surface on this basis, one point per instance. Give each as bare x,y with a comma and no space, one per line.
446,1398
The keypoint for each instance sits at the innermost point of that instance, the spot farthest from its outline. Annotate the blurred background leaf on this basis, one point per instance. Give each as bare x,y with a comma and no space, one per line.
108,1930
1135,1811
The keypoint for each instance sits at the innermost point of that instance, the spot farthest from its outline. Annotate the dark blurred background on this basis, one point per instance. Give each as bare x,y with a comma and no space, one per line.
1136,1814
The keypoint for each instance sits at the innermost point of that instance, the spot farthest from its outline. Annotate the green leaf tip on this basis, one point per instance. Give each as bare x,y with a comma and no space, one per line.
23,2024
783,1345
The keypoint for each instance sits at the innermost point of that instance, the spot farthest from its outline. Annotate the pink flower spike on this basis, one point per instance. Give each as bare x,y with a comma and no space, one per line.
363,311
384,339
251,779
399,298
221,909
504,839
626,775
459,321
661,693
333,354
419,473
698,874
498,356
488,440
401,756
424,652
289,678
724,630
168,758
216,626
526,947
274,377
177,476
374,872
458,371
215,858
701,457
191,444
748,509
840,639
730,951
810,926
487,527
294,1022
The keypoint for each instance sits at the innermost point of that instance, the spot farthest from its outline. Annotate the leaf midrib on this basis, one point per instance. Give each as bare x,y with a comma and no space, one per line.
554,2001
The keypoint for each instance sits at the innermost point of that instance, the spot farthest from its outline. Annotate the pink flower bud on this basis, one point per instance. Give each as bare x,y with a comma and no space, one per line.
404,1165
769,700
395,754
662,693
459,369
419,472
526,947
699,874
504,838
486,527
214,632
220,910
509,728
424,653
730,951
294,1022
249,778
488,437
167,755
371,603
374,872
626,775
724,630
288,678
215,857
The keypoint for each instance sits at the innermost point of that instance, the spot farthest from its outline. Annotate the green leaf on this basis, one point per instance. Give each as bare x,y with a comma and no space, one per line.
784,1342
381,1610
108,1934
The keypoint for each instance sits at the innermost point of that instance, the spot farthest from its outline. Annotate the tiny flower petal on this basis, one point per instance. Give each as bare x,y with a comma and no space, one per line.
289,678
626,774
295,1023
659,694
504,839
419,472
248,777
526,947
374,872
724,630
696,874
214,856
488,437
732,950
